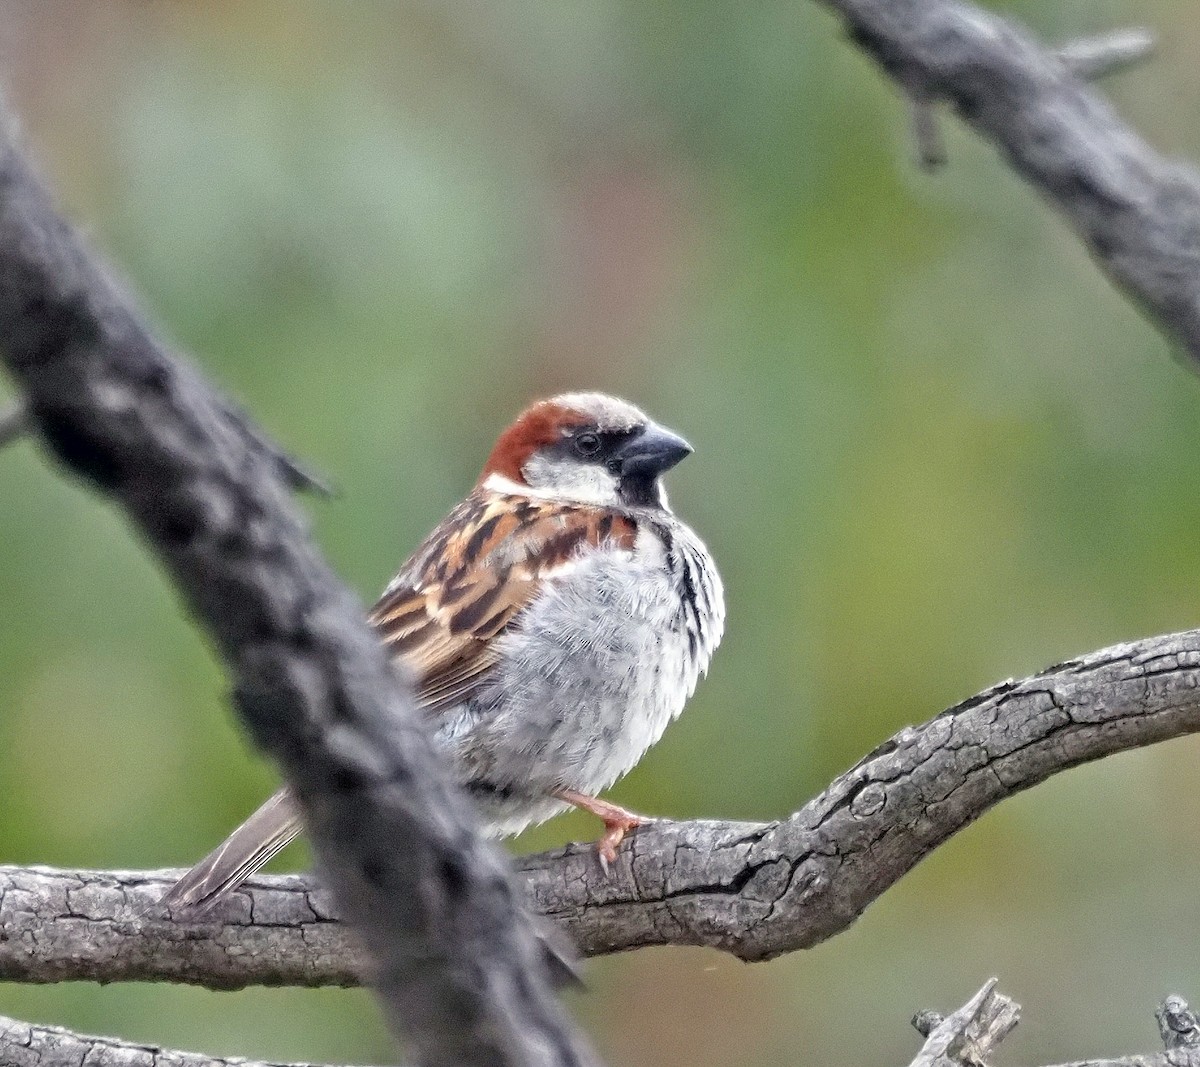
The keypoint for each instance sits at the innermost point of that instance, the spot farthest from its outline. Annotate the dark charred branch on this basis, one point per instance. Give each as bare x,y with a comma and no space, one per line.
458,967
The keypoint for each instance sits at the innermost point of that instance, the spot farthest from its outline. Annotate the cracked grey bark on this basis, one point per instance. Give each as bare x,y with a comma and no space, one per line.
104,926
755,890
1137,213
29,1045
457,963
969,1037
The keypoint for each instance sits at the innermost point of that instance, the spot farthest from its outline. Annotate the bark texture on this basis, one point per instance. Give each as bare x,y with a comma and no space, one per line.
28,1045
969,1037
104,926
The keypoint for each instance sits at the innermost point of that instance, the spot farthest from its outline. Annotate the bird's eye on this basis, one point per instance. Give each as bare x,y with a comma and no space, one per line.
587,444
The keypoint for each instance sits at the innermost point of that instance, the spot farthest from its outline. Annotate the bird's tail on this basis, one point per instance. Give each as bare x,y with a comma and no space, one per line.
252,845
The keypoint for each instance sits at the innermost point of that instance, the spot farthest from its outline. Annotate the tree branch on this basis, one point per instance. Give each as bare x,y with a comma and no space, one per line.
1137,213
457,963
761,890
30,1045
969,1036
755,890
105,926
1089,58
965,1039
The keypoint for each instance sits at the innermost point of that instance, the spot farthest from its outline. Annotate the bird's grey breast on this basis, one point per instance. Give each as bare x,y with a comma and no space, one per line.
603,659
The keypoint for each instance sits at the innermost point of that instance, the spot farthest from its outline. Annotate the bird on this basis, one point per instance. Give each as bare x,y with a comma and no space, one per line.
554,623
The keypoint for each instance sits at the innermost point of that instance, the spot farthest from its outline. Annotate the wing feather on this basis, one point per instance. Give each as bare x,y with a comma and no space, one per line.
474,576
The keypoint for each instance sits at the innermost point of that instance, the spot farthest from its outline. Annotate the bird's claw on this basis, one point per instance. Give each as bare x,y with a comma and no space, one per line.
615,831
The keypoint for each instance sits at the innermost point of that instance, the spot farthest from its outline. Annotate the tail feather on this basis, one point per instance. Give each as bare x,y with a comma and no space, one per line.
252,845
264,835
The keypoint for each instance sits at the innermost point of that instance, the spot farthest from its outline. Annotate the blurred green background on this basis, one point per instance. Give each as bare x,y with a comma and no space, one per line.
933,449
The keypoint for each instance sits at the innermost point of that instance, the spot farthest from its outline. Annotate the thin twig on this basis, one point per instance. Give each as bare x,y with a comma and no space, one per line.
927,134
1092,58
1089,58
14,423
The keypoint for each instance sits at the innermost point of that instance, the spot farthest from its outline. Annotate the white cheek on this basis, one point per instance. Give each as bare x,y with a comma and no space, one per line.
586,483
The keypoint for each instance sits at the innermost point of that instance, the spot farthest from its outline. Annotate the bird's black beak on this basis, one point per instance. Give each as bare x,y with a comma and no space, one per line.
649,453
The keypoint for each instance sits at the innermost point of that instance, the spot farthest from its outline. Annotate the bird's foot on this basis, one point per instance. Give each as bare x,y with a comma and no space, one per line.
617,822
614,833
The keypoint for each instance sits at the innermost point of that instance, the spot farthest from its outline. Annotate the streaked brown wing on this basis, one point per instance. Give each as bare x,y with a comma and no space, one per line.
473,576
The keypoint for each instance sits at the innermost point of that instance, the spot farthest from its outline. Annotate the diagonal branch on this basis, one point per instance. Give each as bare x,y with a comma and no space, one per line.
755,890
456,961
1137,213
1089,58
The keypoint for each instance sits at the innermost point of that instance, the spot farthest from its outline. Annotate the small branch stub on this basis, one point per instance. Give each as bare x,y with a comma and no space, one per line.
925,1022
931,146
1089,58
1097,57
1177,1024
969,1036
14,423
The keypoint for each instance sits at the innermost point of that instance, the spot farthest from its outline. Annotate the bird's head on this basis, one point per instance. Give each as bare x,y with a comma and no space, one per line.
585,448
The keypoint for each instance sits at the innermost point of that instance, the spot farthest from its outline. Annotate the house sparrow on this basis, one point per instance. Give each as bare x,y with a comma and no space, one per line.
554,623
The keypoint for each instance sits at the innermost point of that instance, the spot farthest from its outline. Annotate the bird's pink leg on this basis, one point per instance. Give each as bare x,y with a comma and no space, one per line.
617,821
